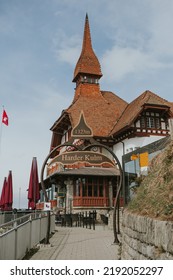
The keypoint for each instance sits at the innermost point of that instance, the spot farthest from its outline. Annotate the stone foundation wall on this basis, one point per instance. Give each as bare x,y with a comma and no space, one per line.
144,238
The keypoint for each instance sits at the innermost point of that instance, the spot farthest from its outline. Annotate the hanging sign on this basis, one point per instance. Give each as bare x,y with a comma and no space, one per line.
82,156
61,194
47,206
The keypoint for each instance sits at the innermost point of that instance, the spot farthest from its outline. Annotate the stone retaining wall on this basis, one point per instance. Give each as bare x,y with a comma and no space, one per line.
144,238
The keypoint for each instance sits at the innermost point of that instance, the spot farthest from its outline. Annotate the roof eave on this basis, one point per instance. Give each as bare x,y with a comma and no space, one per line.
59,120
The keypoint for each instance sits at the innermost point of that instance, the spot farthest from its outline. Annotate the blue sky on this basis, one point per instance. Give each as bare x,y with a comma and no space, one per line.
40,42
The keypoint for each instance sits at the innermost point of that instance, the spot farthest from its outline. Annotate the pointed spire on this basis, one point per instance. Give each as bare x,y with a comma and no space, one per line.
88,62
87,44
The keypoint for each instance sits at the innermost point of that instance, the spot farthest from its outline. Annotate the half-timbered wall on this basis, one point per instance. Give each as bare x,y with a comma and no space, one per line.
152,123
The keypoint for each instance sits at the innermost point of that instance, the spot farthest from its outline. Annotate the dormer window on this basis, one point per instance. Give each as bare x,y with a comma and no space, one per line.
151,120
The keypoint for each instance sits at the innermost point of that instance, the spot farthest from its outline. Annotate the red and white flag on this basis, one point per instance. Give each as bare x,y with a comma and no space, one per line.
4,117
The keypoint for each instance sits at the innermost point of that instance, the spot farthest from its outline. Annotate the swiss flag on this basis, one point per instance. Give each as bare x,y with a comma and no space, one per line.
4,117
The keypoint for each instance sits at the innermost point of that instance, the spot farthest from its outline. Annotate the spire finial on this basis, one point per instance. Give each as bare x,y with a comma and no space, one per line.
88,62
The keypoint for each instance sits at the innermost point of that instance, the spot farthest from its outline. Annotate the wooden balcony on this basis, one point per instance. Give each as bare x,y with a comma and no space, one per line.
90,201
40,205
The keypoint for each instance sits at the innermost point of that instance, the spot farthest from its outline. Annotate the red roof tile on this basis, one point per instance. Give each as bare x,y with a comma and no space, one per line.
101,111
88,62
135,107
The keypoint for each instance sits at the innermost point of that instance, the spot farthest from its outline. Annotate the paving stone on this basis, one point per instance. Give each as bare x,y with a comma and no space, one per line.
78,243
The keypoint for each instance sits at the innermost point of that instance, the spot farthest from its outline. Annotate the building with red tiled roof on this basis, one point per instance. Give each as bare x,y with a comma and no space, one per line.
147,101
103,119
101,109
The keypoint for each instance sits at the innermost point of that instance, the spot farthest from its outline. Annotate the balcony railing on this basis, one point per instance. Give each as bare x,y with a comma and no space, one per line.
40,205
90,201
94,201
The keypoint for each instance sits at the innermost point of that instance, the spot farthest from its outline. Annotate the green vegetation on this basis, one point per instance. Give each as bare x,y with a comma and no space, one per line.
154,196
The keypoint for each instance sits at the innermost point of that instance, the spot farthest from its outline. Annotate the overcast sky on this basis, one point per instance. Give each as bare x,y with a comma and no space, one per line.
40,42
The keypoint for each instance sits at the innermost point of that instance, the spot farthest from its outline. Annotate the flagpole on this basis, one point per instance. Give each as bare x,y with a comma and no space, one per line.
4,120
1,130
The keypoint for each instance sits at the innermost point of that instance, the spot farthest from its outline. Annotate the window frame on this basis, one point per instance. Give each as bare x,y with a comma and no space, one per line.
150,120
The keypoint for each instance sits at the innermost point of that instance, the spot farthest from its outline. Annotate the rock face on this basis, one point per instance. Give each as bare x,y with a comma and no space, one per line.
144,238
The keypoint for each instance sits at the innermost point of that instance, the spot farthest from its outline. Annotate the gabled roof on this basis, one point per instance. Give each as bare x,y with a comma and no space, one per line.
88,62
101,112
135,107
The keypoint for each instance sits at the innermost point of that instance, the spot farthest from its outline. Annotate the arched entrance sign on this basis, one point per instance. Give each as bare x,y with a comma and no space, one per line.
116,203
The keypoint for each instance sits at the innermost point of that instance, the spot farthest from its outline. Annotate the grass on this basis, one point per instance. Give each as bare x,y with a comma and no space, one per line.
154,196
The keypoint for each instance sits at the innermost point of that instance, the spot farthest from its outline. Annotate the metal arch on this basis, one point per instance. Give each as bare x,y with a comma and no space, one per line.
45,162
116,203
43,185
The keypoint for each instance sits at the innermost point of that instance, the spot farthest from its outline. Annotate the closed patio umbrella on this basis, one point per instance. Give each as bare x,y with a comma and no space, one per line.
2,200
33,190
9,193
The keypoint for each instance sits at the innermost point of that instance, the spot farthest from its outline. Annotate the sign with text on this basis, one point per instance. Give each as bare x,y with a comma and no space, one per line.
82,156
82,129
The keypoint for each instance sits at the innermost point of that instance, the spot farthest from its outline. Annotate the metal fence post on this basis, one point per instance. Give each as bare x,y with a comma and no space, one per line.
15,241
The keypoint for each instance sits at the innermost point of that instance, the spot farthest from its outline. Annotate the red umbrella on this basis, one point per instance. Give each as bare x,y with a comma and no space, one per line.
2,200
9,192
33,190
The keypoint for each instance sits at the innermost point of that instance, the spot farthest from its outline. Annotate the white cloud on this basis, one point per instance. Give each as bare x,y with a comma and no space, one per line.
68,55
161,29
142,40
119,62
67,48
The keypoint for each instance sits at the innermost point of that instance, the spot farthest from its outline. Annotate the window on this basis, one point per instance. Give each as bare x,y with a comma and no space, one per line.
150,120
90,187
84,190
115,183
142,122
89,79
157,122
77,188
89,190
100,190
95,190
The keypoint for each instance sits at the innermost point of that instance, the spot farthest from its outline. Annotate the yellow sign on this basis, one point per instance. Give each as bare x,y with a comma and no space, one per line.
134,157
143,159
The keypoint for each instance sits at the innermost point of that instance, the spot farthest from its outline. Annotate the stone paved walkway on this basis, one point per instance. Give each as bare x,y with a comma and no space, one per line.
79,243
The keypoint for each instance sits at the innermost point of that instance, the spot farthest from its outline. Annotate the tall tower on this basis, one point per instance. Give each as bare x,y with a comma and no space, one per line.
87,71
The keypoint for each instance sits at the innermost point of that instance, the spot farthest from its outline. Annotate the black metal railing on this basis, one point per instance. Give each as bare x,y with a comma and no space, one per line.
82,219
